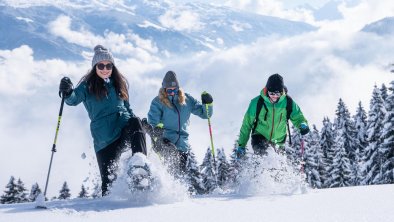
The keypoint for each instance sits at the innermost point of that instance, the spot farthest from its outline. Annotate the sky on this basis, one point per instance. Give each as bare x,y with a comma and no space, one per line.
337,61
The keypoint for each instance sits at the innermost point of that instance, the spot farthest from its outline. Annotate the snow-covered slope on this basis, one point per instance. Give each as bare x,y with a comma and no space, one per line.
174,28
382,27
368,203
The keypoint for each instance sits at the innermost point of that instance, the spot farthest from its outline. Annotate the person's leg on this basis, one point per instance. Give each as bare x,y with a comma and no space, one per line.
259,144
107,162
133,136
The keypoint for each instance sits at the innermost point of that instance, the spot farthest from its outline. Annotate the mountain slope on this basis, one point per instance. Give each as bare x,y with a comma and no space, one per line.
173,28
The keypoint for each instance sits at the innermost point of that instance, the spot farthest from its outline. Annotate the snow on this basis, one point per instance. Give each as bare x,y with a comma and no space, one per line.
366,203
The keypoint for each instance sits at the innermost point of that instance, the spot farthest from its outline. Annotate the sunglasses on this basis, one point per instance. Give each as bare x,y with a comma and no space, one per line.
276,93
101,66
170,91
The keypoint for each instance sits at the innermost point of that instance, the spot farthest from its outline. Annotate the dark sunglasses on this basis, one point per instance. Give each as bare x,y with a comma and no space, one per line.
170,91
276,93
101,66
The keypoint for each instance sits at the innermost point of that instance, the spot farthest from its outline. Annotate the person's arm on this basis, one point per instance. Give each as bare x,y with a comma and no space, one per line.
298,119
199,109
155,112
247,124
77,96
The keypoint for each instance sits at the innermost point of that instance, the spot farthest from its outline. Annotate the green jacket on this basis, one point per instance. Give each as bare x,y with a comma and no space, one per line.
274,127
108,115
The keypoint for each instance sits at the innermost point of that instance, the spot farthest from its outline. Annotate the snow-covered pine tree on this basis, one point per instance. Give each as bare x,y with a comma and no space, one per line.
327,138
235,164
83,193
293,152
22,194
384,92
223,169
193,176
360,121
11,193
208,172
345,129
34,192
373,161
387,146
312,159
96,191
64,193
341,169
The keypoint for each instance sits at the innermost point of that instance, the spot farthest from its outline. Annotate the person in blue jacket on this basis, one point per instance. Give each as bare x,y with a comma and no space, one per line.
169,113
114,127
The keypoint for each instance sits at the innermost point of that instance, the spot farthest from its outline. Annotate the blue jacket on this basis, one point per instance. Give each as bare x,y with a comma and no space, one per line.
108,115
176,119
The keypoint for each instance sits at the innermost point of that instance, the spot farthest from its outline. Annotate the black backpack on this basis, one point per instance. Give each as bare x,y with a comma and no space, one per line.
261,103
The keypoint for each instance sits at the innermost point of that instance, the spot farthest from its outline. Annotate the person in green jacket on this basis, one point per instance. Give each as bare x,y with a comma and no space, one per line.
114,127
271,125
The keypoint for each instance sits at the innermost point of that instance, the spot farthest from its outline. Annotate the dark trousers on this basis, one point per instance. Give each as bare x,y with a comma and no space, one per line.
259,144
132,137
174,159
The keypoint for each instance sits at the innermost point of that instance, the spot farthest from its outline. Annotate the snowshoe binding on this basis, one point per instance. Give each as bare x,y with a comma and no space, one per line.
139,173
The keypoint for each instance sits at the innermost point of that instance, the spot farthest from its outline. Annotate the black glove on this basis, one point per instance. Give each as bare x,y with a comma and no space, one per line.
65,87
304,129
206,98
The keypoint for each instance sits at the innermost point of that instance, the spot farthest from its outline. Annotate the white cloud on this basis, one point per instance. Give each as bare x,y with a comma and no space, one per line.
181,19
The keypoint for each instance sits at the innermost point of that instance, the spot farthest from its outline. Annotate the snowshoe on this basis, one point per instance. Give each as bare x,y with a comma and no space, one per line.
139,173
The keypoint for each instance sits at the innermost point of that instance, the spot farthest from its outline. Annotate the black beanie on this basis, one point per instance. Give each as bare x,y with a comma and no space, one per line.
275,83
170,80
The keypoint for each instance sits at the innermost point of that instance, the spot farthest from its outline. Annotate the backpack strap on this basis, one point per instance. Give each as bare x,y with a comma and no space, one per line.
260,104
289,110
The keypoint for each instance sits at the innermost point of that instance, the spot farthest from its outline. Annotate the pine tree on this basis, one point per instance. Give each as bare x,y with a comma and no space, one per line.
387,146
312,159
208,172
341,170
223,169
193,176
96,191
21,189
64,193
83,193
384,92
34,192
360,120
235,165
327,139
11,193
372,168
293,152
347,136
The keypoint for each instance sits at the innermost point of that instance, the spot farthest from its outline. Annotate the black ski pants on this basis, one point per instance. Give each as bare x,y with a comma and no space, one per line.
132,137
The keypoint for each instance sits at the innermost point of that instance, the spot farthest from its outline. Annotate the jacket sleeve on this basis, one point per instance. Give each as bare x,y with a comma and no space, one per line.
127,105
247,125
155,112
199,109
297,117
78,95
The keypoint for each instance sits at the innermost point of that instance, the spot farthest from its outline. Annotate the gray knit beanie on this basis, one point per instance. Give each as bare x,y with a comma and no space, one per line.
100,54
170,80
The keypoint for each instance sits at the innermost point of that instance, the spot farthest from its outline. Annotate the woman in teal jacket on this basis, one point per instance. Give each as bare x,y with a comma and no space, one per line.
171,110
104,93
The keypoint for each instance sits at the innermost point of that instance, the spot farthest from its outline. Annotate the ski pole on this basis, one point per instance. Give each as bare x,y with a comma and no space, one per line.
54,144
210,132
302,155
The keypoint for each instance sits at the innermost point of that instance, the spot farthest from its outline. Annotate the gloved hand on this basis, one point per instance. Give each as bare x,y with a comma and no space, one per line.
206,98
240,152
304,129
65,87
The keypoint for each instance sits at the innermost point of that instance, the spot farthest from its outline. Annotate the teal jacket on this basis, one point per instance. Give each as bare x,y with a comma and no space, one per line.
176,119
107,116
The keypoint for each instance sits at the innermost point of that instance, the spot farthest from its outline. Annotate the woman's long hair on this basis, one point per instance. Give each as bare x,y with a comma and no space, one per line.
96,84
164,98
